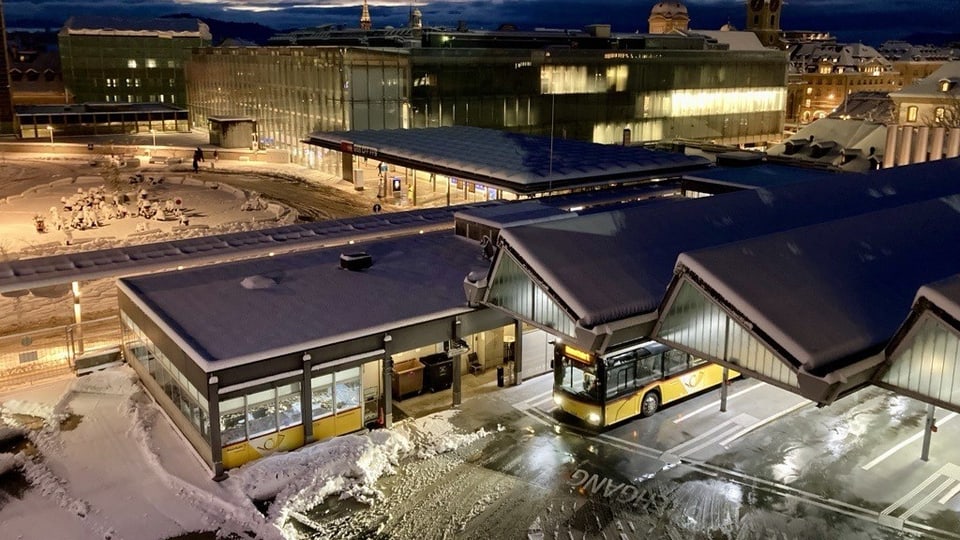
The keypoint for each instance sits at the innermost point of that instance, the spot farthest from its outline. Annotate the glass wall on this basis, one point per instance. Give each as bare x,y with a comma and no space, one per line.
335,392
513,289
928,364
260,413
174,384
697,324
294,91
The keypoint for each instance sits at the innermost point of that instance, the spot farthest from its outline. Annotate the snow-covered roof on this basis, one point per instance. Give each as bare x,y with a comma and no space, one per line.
944,294
89,25
930,86
831,141
517,162
762,175
835,292
58,269
315,301
736,40
608,266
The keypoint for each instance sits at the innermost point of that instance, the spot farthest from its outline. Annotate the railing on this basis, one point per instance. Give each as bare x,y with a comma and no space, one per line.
32,357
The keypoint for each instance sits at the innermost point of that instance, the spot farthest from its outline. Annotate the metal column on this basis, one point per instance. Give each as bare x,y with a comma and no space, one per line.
306,406
216,448
457,363
387,382
928,428
517,353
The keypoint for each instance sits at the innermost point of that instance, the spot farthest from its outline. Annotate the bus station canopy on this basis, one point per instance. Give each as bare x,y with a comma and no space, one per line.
608,271
515,162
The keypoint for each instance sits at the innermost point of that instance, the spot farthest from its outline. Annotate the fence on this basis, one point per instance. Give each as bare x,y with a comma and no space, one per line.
33,357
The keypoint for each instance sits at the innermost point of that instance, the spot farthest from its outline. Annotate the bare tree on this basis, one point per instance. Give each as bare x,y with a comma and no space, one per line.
946,113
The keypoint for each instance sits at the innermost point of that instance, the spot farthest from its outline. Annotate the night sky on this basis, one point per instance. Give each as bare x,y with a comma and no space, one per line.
870,21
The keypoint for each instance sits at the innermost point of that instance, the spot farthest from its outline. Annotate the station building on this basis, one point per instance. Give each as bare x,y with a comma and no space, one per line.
591,85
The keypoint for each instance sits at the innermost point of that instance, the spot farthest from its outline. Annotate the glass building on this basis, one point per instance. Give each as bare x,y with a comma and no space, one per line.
582,86
128,60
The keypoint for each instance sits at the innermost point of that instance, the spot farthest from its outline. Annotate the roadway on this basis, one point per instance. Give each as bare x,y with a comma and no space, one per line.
772,466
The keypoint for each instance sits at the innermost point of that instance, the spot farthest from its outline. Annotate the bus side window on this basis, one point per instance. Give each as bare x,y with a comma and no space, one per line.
649,369
674,361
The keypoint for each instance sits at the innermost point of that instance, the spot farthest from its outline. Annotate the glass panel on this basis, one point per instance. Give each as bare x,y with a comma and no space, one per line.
288,405
261,413
579,379
321,396
348,389
674,361
232,421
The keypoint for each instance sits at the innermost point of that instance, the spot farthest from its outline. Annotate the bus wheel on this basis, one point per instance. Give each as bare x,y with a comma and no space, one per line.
650,404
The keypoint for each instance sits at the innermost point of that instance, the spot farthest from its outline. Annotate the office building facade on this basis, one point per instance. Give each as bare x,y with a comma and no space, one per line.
597,88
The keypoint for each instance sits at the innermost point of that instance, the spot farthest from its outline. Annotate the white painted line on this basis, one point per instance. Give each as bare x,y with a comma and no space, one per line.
539,397
950,494
704,444
926,500
904,443
699,437
913,493
716,404
764,422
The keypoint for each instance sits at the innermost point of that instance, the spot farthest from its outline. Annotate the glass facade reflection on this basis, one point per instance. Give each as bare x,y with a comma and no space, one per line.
294,91
700,91
174,384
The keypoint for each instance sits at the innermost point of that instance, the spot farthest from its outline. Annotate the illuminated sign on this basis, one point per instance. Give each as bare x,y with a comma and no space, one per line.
577,354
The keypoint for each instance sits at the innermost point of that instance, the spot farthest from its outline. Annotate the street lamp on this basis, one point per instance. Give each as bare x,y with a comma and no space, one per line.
154,133
50,131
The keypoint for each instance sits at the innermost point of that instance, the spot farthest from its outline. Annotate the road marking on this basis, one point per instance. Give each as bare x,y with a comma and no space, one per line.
716,404
950,494
886,517
904,443
706,438
765,421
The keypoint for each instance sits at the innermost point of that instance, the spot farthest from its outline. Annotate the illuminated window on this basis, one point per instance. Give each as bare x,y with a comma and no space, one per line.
131,63
946,85
939,114
806,103
809,90
151,63
171,63
912,113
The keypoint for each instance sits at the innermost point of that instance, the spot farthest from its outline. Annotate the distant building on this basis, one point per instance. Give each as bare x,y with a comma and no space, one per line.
592,85
763,19
933,101
668,17
915,62
35,75
6,101
826,73
125,60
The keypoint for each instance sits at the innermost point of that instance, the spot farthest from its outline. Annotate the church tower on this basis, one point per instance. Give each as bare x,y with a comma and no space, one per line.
365,22
763,19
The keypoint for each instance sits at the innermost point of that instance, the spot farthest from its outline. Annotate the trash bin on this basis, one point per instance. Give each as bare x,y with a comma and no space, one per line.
500,381
407,378
437,372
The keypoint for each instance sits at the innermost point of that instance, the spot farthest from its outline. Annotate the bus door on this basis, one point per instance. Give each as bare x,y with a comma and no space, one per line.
676,385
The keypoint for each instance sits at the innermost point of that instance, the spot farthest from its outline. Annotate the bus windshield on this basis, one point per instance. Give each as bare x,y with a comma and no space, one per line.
578,378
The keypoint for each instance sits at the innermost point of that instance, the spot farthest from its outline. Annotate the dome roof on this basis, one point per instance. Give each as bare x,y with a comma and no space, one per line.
669,9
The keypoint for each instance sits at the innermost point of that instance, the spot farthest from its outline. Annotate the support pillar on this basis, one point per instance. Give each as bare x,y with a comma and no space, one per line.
890,148
77,317
726,370
517,353
906,143
936,145
347,164
928,428
387,382
306,406
920,145
216,446
457,363
953,143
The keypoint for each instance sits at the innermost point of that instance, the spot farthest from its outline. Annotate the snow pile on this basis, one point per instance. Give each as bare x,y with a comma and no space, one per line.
349,465
28,408
9,462
118,382
434,434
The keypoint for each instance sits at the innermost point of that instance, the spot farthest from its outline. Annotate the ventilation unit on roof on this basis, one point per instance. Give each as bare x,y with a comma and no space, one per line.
359,260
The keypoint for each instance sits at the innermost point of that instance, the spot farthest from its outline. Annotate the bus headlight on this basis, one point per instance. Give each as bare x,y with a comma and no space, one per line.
558,400
593,418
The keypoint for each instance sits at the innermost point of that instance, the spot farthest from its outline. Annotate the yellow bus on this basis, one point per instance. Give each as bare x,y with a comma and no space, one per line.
632,380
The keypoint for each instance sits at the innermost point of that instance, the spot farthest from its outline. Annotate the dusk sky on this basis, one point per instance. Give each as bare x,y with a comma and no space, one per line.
870,21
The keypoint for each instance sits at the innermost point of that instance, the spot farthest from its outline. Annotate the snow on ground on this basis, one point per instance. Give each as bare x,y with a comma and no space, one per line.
122,471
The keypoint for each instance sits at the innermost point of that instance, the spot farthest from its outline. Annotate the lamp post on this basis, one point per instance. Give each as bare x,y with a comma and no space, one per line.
50,131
